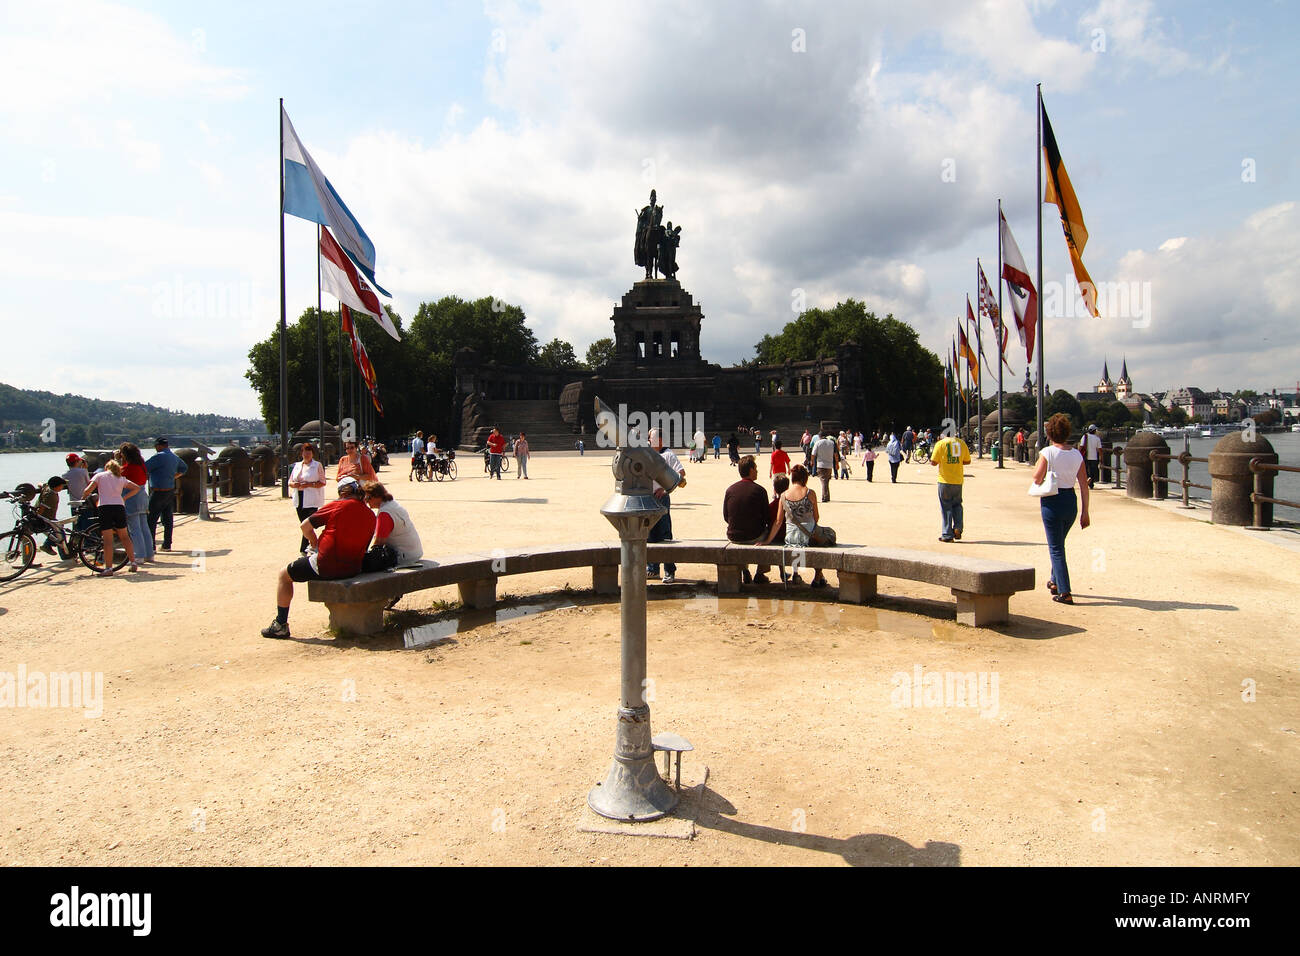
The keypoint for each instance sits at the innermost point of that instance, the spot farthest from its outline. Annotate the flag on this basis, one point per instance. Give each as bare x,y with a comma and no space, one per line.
970,319
1060,192
339,278
361,359
309,195
963,347
1024,300
989,307
946,375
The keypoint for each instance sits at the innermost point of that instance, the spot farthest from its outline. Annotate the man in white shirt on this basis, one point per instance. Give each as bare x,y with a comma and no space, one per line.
1091,448
823,453
663,529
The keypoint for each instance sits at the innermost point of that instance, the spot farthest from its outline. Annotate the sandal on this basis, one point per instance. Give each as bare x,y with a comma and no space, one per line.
1051,586
1063,599
135,567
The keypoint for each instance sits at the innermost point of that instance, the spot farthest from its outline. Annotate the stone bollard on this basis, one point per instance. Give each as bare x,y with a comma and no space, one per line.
264,465
1232,481
1140,467
238,460
189,486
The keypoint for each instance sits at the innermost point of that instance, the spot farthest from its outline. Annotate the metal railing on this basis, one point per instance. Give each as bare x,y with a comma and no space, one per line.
1184,458
1108,470
1259,467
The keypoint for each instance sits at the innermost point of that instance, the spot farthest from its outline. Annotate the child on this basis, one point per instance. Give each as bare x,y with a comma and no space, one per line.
869,460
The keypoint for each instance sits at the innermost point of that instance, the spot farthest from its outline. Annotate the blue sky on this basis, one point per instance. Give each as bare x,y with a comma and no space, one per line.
501,149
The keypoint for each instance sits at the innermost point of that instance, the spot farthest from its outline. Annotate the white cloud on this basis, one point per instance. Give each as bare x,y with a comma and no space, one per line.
1132,32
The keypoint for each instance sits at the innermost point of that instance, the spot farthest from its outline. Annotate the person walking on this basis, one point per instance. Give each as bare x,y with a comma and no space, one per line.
496,444
663,528
308,483
949,455
521,456
1090,446
823,453
733,449
779,463
894,452
717,446
758,442
1020,445
868,460
1059,510
137,506
163,467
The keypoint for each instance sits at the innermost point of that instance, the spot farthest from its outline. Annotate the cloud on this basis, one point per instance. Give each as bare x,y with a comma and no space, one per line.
1131,32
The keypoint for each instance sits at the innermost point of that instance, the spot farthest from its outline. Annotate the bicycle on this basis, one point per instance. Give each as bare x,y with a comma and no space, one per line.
487,462
18,546
921,452
443,465
420,468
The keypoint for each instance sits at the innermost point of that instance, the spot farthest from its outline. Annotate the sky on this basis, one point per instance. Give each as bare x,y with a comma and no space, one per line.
810,152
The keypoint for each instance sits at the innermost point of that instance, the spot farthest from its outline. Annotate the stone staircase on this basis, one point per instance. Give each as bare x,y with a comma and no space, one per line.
540,420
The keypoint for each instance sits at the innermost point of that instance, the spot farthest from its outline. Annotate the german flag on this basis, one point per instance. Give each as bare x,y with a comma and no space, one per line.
963,346
1060,193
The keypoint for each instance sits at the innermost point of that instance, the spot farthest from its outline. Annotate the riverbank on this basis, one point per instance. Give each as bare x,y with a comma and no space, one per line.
1152,723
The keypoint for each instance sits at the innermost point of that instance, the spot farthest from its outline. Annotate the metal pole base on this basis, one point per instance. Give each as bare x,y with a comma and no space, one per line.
632,790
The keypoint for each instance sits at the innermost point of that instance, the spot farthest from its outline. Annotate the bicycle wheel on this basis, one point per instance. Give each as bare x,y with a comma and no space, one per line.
505,465
438,472
17,552
451,470
90,550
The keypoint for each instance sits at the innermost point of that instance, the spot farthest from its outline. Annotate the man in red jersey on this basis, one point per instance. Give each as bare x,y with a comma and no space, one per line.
347,526
496,448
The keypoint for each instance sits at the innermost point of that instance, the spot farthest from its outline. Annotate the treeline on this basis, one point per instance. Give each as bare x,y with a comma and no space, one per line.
78,421
415,376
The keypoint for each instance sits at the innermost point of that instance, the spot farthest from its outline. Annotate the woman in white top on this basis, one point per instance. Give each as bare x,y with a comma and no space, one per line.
394,527
1059,510
308,483
113,490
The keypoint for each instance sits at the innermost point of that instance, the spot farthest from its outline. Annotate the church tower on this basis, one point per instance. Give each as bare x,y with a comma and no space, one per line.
1124,387
1105,386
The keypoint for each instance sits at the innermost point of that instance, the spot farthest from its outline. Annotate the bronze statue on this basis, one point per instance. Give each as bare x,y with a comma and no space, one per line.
645,252
667,259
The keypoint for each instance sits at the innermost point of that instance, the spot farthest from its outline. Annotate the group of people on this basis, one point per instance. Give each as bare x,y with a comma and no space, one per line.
129,496
363,529
496,449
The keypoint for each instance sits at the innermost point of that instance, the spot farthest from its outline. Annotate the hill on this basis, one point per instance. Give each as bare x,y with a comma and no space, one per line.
78,421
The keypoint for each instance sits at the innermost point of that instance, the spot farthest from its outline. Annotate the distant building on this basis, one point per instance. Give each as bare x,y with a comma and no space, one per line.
1108,391
1192,400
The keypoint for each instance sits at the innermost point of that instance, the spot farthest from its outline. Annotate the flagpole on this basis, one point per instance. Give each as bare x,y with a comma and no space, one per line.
284,362
320,353
979,374
338,420
1002,452
1038,216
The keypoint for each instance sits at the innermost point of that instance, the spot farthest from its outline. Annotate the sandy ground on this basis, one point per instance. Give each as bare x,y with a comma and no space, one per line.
1119,733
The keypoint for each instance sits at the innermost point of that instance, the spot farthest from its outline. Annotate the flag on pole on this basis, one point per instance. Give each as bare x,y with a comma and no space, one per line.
361,358
309,195
970,319
989,307
1060,193
1024,300
963,347
339,278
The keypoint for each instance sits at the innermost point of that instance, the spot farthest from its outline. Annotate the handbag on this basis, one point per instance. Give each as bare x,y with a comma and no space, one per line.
379,558
1047,488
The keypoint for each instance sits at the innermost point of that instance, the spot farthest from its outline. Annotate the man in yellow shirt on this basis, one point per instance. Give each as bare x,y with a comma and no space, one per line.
949,455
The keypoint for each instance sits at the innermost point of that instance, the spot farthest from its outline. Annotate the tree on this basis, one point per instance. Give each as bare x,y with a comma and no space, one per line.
1270,416
1062,402
600,353
557,354
902,381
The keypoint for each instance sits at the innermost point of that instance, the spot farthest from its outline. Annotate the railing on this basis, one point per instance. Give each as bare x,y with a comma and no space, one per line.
1108,470
1184,458
1259,467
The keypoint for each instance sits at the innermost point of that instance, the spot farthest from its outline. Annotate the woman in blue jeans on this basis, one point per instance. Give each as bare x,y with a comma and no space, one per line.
1059,510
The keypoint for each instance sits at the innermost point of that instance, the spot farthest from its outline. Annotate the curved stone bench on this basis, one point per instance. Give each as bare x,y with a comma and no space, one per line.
982,588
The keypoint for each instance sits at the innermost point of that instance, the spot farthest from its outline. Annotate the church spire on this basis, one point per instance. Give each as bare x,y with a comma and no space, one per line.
1123,375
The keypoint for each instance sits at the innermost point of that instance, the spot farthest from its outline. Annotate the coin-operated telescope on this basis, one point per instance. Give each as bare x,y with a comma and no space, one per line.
632,789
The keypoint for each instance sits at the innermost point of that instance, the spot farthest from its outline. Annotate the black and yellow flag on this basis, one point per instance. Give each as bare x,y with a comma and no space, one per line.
1060,193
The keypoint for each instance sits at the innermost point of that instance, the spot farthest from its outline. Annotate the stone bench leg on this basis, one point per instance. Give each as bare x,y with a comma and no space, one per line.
604,579
980,609
728,579
481,595
857,588
361,619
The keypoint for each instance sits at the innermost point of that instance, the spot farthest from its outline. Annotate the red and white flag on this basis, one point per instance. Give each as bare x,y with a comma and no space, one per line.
340,279
360,357
1024,300
989,307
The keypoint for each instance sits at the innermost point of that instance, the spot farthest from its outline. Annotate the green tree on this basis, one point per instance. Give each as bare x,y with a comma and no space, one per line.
600,353
1062,402
558,354
902,381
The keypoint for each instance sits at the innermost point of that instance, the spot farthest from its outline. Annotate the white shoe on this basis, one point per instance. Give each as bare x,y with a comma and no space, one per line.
670,579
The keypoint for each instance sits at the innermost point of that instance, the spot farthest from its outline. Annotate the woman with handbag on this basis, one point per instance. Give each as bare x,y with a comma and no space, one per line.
396,540
1060,469
797,514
